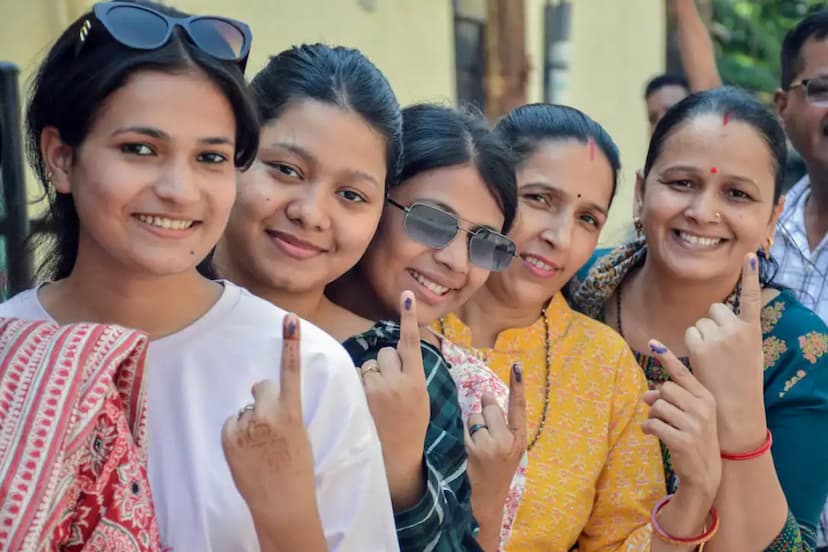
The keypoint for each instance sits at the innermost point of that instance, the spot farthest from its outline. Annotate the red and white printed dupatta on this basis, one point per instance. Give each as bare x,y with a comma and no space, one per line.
72,439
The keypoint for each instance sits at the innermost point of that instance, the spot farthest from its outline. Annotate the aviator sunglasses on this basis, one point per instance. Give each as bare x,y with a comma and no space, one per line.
436,228
144,28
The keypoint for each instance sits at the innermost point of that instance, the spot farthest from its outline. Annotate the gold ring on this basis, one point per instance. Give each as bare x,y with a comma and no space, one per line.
369,366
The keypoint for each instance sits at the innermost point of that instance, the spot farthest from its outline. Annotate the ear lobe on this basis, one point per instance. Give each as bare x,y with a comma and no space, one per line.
57,156
778,209
639,193
780,103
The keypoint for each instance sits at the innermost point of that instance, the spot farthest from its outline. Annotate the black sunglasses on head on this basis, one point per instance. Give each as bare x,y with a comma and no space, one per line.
144,28
436,228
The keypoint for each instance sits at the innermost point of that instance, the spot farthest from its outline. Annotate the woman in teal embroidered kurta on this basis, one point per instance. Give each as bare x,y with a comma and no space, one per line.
709,195
795,343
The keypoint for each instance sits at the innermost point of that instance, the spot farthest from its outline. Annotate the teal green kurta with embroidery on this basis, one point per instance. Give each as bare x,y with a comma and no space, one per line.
795,388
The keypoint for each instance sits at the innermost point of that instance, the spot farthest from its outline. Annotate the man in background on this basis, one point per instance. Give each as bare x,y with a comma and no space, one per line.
697,59
801,244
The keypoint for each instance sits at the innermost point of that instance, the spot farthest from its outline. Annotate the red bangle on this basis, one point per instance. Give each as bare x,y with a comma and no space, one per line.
753,453
709,529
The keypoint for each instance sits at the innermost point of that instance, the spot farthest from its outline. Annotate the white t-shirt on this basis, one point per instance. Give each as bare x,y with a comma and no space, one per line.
202,374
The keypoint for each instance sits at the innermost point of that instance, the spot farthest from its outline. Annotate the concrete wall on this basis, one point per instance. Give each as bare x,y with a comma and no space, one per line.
615,46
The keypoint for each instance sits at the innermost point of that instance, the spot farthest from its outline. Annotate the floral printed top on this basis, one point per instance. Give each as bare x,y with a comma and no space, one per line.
796,388
473,378
593,476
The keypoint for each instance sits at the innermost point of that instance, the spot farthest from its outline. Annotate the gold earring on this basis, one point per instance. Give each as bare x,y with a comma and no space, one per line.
639,226
768,247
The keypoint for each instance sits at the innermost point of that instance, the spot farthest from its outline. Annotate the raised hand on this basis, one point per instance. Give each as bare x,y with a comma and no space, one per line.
397,394
727,358
683,416
267,448
495,444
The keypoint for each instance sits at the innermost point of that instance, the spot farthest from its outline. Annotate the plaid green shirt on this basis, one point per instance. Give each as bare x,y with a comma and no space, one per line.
442,520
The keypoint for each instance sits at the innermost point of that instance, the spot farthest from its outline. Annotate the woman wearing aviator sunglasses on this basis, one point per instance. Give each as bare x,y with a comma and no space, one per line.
138,120
439,239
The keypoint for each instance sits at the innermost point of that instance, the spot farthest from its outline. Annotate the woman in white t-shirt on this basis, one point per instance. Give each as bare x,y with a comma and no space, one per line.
138,120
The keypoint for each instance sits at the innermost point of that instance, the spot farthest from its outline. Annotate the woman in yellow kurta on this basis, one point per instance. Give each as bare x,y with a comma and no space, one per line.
593,475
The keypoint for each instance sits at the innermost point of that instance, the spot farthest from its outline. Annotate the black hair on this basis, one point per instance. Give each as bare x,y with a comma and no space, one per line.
527,127
736,105
660,81
340,76
814,26
436,136
72,84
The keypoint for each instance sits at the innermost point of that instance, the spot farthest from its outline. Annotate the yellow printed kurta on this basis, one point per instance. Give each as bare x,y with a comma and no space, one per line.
593,476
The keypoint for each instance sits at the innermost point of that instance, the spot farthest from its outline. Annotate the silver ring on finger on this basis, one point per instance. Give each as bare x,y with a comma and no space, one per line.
477,427
246,408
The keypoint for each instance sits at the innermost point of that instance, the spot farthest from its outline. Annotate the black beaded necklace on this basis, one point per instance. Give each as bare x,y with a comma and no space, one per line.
548,374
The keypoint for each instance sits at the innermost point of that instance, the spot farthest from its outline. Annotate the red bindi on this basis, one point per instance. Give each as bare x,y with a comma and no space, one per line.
725,119
713,170
591,144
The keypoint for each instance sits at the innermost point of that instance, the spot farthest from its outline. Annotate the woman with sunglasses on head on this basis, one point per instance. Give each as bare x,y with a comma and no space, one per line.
139,164
593,476
433,249
698,278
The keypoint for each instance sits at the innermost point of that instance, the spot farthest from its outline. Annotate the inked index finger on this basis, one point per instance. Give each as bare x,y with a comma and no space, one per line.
516,416
409,345
290,391
750,299
677,371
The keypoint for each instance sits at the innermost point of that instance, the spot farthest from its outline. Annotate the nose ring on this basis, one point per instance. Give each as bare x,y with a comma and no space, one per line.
718,215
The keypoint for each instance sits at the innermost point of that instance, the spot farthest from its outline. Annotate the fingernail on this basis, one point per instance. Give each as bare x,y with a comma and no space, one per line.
753,262
407,303
290,331
518,372
657,348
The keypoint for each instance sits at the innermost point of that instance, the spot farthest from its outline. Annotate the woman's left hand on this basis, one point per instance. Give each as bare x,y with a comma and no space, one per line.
495,449
269,454
727,358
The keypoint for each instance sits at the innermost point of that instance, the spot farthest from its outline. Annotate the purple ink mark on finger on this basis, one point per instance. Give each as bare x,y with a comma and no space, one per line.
518,372
753,263
657,348
291,328
407,303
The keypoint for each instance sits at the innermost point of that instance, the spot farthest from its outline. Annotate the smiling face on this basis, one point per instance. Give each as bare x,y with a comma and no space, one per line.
441,279
310,204
806,122
565,193
708,199
154,180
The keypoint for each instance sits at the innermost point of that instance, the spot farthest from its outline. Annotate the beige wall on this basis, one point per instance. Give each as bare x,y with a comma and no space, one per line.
411,41
616,46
